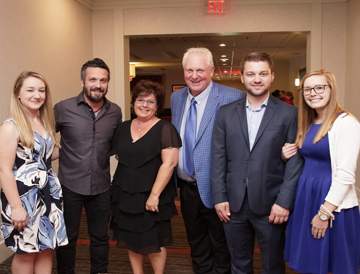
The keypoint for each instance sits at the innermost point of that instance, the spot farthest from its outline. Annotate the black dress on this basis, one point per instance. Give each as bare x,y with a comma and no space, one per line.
134,227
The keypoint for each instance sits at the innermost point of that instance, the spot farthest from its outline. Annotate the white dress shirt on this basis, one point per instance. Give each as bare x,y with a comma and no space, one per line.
254,118
201,100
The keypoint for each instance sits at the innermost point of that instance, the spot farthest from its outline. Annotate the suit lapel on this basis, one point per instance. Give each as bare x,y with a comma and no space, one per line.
269,113
210,110
182,103
241,112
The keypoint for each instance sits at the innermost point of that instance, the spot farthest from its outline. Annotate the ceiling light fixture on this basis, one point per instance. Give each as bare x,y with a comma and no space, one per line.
222,45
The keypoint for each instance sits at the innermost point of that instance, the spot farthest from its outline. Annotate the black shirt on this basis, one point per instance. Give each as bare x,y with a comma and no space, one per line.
85,152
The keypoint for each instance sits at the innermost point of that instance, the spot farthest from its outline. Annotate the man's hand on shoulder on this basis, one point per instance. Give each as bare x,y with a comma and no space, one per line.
223,211
278,214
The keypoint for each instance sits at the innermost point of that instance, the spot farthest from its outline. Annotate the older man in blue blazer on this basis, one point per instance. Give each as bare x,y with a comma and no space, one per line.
193,114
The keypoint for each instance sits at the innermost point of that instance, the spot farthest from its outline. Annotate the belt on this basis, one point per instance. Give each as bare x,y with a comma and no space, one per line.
190,183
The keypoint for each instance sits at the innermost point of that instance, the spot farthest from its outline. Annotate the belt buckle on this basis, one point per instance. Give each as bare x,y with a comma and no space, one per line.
193,183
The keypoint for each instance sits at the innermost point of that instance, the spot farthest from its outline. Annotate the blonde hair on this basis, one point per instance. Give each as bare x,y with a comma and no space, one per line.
307,115
18,113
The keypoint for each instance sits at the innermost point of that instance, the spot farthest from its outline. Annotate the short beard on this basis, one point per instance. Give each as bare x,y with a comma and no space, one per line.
93,99
257,95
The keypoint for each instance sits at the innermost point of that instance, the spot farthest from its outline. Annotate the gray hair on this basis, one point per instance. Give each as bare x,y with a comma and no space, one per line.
199,51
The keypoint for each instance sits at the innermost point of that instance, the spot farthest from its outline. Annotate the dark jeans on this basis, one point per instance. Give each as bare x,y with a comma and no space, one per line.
97,210
205,233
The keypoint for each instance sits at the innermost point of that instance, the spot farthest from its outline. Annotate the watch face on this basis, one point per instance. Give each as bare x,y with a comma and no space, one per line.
323,217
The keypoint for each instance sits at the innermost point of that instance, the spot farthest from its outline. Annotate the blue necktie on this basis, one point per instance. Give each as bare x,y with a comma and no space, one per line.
189,138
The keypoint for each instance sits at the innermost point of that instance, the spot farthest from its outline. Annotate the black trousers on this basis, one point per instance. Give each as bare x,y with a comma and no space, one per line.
205,233
240,234
97,210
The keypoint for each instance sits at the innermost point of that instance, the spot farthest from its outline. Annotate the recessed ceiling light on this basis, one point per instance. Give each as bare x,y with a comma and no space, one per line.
222,45
224,59
225,71
224,64
223,55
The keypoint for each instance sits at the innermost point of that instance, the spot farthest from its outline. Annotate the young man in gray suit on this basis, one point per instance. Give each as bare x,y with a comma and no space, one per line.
197,105
252,187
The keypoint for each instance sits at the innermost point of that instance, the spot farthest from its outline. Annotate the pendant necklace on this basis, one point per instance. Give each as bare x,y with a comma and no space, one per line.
95,111
145,125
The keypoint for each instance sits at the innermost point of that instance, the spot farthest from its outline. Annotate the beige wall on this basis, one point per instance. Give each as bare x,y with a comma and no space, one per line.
240,18
297,63
352,95
53,38
326,47
170,79
103,43
333,44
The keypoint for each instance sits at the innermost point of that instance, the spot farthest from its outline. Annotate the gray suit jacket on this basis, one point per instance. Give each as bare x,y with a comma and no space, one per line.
270,180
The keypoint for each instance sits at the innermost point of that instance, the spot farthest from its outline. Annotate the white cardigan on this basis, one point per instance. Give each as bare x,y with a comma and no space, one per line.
344,143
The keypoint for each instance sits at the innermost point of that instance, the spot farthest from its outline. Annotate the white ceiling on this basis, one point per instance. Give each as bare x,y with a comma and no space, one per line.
160,54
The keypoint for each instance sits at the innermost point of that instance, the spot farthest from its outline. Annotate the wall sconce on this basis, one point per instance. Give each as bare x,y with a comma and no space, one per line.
132,71
297,82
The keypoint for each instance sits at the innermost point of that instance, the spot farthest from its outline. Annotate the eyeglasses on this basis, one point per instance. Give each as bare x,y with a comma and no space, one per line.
319,89
142,101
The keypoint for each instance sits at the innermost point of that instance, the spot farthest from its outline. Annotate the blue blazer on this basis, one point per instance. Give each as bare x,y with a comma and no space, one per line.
219,95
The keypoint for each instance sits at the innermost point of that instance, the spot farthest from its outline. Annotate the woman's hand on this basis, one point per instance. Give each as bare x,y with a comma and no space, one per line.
319,227
152,203
288,151
19,218
169,157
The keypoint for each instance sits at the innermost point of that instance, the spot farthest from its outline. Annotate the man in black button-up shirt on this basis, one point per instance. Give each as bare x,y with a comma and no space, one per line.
87,124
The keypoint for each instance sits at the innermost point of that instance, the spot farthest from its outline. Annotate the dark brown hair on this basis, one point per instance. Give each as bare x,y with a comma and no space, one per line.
257,57
146,87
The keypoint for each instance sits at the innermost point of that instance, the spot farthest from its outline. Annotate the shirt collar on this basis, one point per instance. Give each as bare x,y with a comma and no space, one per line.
264,104
203,95
81,100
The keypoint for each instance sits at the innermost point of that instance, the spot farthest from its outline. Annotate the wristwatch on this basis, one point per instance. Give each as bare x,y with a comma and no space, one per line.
323,216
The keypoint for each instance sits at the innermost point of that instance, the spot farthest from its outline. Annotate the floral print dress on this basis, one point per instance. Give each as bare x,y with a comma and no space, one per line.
41,196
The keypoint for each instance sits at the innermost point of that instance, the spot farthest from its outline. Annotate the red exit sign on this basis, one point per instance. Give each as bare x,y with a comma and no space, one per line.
215,6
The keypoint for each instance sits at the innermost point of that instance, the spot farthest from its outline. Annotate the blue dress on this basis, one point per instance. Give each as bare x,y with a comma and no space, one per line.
41,196
339,251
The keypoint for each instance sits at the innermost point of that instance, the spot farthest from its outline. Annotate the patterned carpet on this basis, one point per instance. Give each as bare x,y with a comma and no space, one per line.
178,258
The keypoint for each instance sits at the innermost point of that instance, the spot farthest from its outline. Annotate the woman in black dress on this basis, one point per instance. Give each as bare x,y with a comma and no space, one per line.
142,189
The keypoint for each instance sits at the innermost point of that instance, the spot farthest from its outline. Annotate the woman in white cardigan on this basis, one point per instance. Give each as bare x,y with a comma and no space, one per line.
323,234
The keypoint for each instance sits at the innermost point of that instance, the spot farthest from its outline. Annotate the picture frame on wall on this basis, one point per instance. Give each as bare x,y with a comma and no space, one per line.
177,87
